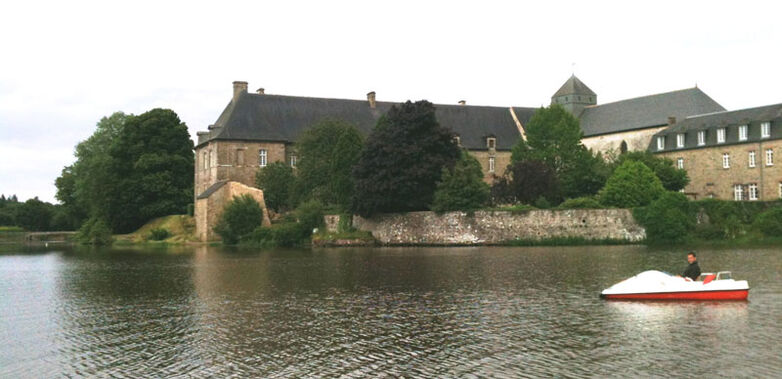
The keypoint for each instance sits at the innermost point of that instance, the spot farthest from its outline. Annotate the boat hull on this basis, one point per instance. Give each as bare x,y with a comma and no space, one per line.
740,294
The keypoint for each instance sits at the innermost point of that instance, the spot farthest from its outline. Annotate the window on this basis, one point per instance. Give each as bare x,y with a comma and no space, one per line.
205,160
491,164
780,190
680,140
765,130
660,142
701,137
293,161
725,160
680,163
262,157
752,158
457,141
491,142
742,133
738,192
753,191
769,157
721,135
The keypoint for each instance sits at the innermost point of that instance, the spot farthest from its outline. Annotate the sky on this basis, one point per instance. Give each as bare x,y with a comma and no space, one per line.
65,65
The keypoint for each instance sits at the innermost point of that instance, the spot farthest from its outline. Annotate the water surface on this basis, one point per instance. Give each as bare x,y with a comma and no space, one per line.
373,312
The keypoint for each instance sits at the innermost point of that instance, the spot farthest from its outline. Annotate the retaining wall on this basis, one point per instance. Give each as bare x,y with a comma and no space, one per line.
496,227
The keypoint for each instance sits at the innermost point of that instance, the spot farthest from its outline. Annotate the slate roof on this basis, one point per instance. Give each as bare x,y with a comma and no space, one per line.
574,86
645,112
212,189
730,120
277,118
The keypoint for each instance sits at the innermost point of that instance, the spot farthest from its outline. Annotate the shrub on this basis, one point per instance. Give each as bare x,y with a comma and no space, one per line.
345,223
94,231
462,187
283,235
190,209
158,234
240,216
632,185
310,214
769,222
667,219
542,203
276,181
581,203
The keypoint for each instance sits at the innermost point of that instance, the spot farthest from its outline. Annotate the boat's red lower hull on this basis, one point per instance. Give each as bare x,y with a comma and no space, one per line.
700,295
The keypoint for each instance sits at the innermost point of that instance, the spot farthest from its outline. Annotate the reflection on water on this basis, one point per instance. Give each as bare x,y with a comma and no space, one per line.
421,312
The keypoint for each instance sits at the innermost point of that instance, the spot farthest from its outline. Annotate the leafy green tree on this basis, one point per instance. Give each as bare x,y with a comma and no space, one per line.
34,215
667,219
526,181
240,216
151,162
276,181
327,153
632,185
554,138
672,178
94,231
82,187
403,160
461,188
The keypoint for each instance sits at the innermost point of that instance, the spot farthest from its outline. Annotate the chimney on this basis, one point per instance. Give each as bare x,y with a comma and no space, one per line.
259,91
462,102
239,88
671,120
371,99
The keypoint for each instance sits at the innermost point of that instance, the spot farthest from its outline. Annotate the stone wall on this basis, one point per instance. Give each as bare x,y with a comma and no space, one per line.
234,160
495,227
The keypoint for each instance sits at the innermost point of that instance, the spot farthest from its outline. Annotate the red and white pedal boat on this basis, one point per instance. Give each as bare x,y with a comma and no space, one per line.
658,285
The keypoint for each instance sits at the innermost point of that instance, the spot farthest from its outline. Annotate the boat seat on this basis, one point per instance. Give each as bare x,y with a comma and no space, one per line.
709,278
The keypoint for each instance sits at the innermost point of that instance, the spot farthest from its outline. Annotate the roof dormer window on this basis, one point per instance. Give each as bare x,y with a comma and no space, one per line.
765,130
660,142
701,137
491,142
680,140
742,133
721,135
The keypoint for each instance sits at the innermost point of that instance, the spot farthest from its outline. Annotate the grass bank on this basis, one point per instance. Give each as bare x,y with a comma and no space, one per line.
180,230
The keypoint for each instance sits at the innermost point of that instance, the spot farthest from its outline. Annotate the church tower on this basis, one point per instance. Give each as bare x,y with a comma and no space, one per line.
574,96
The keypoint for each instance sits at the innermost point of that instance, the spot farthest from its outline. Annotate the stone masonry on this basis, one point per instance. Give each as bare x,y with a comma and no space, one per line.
209,209
496,227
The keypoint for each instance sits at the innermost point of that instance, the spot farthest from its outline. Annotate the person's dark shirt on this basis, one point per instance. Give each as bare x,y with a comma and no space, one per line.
692,271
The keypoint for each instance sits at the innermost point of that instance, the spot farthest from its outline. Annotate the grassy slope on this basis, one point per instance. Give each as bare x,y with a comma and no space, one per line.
181,227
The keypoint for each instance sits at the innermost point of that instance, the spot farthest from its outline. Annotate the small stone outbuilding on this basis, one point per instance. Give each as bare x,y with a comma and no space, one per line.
210,203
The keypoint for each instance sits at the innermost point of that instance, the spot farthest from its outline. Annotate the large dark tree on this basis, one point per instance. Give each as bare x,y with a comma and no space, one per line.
276,181
402,161
327,153
525,182
152,166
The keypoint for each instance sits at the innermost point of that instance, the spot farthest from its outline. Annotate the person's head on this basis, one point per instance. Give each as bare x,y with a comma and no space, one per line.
691,257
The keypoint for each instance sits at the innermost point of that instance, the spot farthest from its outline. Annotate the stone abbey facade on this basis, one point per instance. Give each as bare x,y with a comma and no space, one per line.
256,129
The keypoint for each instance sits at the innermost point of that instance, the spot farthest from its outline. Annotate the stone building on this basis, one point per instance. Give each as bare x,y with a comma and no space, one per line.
728,155
628,125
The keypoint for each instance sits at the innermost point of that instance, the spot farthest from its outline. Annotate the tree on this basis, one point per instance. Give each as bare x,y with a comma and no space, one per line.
151,162
327,153
672,178
276,181
632,185
554,138
34,215
461,188
527,181
240,216
403,160
82,187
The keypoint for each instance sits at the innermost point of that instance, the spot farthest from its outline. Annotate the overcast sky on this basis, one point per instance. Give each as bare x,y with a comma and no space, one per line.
66,64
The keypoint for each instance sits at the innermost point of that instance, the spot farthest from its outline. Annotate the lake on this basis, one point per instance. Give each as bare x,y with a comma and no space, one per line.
377,312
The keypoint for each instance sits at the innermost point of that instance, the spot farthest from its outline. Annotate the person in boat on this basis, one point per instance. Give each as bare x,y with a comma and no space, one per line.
693,270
